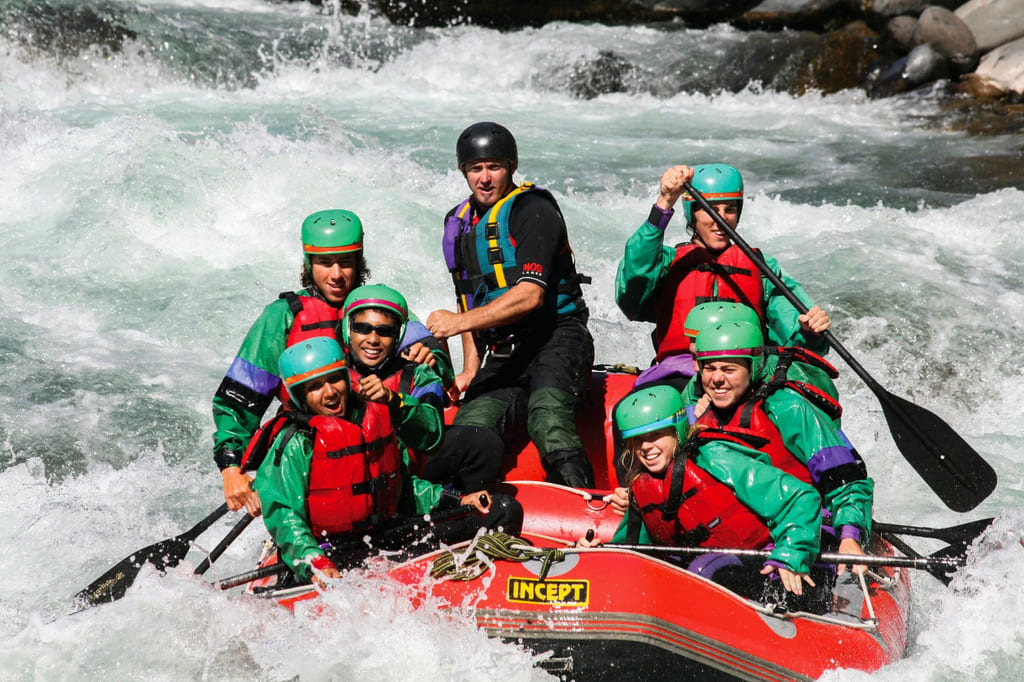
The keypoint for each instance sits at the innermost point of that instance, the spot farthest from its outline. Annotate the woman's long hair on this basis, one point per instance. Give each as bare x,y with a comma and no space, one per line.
632,466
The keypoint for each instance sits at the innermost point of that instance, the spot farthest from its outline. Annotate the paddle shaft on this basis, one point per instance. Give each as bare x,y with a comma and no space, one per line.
957,473
924,563
198,529
962,535
347,542
232,535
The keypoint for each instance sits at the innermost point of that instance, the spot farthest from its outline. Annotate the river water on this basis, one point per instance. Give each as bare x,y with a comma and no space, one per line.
150,199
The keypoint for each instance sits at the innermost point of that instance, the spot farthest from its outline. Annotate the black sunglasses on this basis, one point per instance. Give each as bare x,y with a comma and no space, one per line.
365,328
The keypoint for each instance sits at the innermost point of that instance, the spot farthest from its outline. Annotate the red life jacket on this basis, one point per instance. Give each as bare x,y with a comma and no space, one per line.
695,276
402,382
313,317
355,473
355,476
691,508
259,444
751,423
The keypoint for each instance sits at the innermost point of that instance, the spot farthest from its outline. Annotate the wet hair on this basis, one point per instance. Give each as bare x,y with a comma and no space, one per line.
631,464
362,273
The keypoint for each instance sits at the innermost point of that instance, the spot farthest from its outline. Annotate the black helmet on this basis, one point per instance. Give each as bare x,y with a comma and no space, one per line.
486,140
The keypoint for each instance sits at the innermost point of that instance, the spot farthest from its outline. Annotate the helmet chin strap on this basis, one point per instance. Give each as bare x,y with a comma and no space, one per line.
366,370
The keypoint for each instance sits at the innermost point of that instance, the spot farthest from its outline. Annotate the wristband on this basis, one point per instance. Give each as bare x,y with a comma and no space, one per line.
228,458
449,499
659,217
850,532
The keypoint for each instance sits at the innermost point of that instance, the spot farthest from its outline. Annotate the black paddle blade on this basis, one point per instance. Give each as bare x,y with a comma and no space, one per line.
944,460
165,554
944,563
114,584
958,537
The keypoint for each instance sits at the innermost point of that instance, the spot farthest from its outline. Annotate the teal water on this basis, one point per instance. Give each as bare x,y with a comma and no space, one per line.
157,158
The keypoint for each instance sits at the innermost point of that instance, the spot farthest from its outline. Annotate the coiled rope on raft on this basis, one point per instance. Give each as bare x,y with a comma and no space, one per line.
481,554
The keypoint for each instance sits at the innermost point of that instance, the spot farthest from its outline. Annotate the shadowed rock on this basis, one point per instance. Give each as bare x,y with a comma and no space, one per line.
922,65
840,60
811,15
513,14
65,30
886,9
607,74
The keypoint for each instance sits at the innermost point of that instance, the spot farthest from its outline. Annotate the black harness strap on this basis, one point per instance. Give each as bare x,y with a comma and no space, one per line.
367,448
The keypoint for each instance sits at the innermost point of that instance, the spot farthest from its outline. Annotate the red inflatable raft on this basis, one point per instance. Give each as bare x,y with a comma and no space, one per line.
618,613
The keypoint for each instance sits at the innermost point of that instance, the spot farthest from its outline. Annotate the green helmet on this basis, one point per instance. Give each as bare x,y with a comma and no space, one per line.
732,340
308,360
710,313
717,182
375,296
651,408
331,231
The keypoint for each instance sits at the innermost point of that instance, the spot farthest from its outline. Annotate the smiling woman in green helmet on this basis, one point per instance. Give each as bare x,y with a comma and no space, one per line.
661,284
709,490
798,436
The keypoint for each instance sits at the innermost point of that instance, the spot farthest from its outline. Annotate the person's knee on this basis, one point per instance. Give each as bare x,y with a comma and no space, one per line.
484,412
551,420
480,454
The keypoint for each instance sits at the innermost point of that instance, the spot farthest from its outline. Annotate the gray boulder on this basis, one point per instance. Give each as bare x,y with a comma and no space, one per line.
878,12
948,35
895,8
1001,70
993,22
900,31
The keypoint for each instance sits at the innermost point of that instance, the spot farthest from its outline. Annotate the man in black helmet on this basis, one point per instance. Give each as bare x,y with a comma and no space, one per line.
521,314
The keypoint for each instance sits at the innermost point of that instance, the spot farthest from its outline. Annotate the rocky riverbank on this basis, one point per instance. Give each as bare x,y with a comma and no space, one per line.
974,50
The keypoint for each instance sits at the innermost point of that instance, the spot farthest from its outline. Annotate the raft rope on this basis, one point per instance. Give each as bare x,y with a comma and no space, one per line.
618,368
867,594
587,496
481,554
